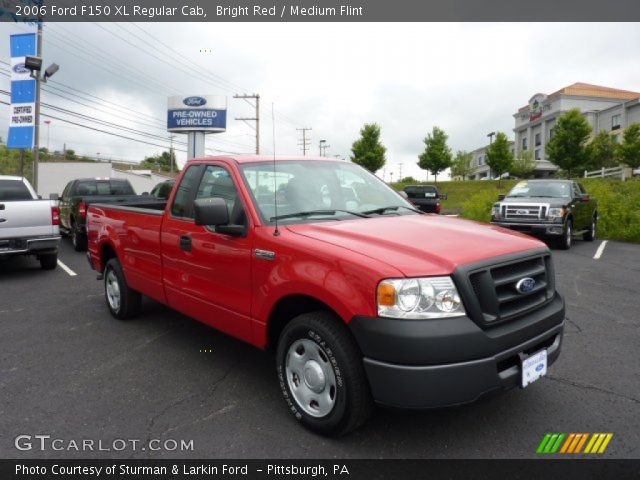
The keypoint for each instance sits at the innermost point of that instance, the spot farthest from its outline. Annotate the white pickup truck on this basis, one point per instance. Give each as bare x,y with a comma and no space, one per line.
28,225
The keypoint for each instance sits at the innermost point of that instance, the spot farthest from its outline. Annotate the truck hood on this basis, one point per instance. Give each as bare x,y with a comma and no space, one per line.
420,244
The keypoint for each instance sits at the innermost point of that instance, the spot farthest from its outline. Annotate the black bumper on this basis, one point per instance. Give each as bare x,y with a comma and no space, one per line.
437,363
535,229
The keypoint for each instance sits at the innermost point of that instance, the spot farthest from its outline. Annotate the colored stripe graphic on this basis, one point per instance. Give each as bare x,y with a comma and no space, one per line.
573,443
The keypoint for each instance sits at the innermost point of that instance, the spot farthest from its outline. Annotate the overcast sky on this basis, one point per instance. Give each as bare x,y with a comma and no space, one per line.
468,79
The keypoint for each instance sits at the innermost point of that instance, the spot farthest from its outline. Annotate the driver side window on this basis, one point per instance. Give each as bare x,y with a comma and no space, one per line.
217,182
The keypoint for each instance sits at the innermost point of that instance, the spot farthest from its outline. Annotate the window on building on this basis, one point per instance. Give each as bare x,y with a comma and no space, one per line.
537,154
551,131
616,138
538,139
616,122
524,143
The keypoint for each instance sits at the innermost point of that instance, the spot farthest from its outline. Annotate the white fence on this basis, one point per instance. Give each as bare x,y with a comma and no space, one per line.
615,172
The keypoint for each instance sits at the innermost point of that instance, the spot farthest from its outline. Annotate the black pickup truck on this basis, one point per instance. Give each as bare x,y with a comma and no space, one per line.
425,197
552,209
82,192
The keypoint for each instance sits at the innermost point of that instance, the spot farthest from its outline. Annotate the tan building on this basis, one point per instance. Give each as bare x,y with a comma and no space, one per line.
606,109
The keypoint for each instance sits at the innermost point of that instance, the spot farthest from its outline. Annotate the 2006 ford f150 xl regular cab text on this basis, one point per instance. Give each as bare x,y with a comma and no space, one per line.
362,297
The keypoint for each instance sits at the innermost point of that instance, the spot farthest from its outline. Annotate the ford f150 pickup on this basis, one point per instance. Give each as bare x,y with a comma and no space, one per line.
28,225
80,193
553,209
275,253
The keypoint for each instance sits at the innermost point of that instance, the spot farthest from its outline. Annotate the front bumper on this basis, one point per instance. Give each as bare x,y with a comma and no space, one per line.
429,363
536,229
29,246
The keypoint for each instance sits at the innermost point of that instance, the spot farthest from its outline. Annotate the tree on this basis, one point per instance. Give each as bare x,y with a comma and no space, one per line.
367,151
461,166
629,149
160,162
523,165
437,154
499,156
566,149
408,179
601,152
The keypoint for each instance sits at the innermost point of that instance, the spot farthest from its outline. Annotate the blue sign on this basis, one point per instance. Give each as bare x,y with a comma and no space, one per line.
23,93
196,119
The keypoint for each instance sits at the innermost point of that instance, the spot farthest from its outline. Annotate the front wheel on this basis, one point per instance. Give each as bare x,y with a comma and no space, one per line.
321,375
567,236
122,301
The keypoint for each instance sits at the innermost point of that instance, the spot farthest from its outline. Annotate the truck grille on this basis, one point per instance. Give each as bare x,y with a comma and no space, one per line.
495,288
524,212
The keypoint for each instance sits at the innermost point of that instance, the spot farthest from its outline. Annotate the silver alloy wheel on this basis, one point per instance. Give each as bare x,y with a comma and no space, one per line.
593,228
311,378
113,291
568,235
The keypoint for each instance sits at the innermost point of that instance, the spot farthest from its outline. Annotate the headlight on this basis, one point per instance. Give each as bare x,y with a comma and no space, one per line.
417,298
495,211
556,212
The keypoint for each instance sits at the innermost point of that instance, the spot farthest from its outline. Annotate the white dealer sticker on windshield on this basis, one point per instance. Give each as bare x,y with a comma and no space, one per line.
534,367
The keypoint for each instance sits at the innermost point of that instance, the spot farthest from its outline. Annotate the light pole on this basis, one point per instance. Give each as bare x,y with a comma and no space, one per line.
320,146
490,135
48,123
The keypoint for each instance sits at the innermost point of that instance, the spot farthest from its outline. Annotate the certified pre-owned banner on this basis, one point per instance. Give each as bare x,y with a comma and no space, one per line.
23,92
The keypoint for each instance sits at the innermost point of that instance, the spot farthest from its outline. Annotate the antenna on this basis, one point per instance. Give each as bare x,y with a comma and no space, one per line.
276,232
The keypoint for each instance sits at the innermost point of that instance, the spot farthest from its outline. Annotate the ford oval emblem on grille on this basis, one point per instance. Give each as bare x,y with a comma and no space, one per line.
522,212
525,285
194,101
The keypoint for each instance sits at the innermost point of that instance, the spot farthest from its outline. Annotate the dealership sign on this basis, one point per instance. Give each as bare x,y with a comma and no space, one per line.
23,93
197,113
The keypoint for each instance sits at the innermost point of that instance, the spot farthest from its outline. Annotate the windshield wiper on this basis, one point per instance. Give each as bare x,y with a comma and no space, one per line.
392,208
309,213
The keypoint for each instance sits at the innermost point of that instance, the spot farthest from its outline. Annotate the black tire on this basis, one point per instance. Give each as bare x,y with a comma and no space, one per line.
567,236
48,261
129,300
590,235
337,351
78,239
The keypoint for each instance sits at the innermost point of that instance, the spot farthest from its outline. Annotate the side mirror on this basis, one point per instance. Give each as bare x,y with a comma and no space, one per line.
211,211
585,197
501,196
443,196
54,196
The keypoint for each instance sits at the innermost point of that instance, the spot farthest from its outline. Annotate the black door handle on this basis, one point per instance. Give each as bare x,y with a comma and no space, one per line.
185,243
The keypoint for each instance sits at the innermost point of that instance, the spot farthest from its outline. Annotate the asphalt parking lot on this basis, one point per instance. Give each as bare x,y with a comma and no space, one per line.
67,369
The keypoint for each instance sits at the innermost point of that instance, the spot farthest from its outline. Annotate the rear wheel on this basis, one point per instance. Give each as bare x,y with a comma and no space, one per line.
590,235
321,374
122,301
48,261
78,239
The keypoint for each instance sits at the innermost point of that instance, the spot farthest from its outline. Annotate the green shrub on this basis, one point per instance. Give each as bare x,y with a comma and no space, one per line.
478,206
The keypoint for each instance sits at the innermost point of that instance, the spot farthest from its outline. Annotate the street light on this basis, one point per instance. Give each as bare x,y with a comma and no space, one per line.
48,122
320,145
490,135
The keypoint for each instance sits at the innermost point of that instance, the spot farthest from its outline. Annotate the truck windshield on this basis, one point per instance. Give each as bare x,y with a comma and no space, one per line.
14,190
302,186
541,189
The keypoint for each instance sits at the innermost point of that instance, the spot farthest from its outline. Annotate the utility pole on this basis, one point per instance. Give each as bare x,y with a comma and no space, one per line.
256,119
305,141
36,130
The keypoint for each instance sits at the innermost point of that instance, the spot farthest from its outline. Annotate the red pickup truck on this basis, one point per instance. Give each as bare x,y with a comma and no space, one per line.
362,297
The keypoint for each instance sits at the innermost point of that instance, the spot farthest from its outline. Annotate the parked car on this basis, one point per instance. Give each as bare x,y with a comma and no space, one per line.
80,193
163,189
556,210
354,313
425,197
28,225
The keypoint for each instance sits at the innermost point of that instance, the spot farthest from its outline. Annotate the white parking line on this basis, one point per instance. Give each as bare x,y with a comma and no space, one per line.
67,269
600,250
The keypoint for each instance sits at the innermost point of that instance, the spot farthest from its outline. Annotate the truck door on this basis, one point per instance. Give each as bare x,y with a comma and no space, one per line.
207,275
579,208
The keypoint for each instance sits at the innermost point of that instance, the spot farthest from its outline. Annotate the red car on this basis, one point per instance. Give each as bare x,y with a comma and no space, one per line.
362,297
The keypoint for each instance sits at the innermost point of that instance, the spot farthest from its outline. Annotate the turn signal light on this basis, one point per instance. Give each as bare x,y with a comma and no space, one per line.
82,210
55,216
386,295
